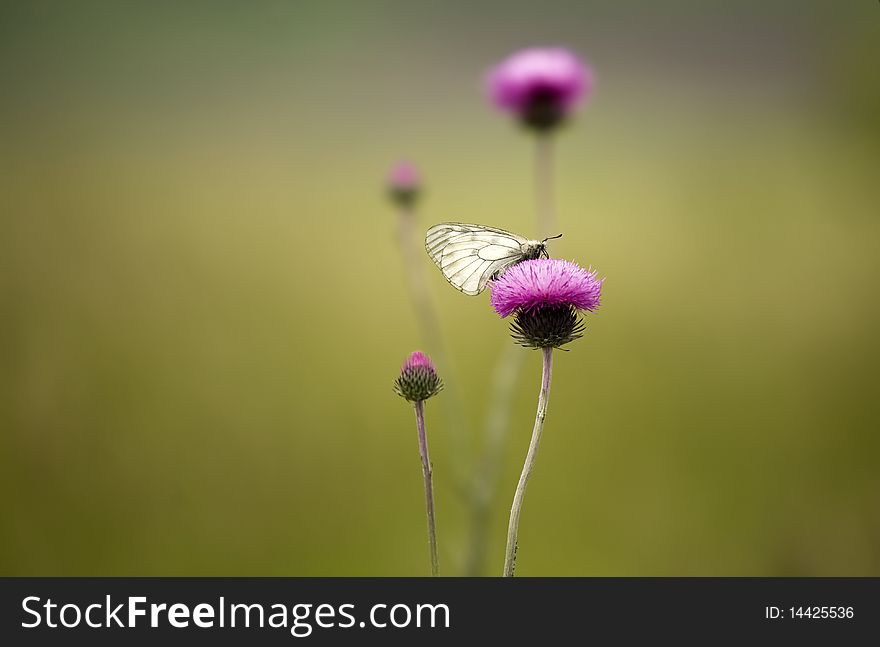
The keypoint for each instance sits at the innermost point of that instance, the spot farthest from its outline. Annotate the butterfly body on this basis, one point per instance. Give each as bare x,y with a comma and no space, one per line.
469,256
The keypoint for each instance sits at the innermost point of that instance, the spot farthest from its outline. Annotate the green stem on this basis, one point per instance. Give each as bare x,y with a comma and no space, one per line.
544,207
504,380
429,486
516,508
411,247
413,250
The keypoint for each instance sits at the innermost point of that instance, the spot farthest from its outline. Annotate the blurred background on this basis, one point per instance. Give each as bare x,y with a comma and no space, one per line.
203,304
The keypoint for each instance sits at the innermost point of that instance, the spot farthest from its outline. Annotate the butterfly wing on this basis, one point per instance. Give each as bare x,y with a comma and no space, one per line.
469,255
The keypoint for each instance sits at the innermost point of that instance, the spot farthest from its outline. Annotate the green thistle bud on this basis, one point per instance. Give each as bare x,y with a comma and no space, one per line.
418,379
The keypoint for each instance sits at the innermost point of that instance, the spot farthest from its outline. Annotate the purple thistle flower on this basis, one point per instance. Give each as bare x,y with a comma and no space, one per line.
545,282
541,86
418,379
417,359
545,296
404,175
404,183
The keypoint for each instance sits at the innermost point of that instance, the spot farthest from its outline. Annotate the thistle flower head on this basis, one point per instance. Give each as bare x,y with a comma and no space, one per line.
545,296
418,379
541,86
404,183
545,282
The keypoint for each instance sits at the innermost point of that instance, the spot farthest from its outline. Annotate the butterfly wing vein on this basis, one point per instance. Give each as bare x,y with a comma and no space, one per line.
469,255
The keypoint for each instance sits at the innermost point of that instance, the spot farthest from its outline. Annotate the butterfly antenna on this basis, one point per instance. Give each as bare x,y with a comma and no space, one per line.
552,238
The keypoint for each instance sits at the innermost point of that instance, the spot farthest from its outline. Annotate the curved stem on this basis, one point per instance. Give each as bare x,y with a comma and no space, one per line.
516,508
486,477
505,376
429,485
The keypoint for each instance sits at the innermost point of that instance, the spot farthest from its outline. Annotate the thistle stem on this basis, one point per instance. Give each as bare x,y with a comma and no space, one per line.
545,207
516,508
429,485
504,379
505,376
412,248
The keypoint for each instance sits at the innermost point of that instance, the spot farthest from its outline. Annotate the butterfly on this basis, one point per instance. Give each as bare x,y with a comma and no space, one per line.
469,256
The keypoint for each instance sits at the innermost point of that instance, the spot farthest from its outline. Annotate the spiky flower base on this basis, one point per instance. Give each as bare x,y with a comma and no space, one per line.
546,327
418,383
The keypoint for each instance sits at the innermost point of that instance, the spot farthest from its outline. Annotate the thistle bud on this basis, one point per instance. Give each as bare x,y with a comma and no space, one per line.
404,184
418,379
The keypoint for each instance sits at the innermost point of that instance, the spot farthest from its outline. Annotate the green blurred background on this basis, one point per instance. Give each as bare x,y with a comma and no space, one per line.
202,304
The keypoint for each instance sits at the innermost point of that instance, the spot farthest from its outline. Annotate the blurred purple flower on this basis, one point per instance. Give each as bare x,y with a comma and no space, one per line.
404,183
541,86
545,282
404,175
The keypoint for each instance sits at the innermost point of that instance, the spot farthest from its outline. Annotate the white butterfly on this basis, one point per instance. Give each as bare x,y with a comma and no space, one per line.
469,256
